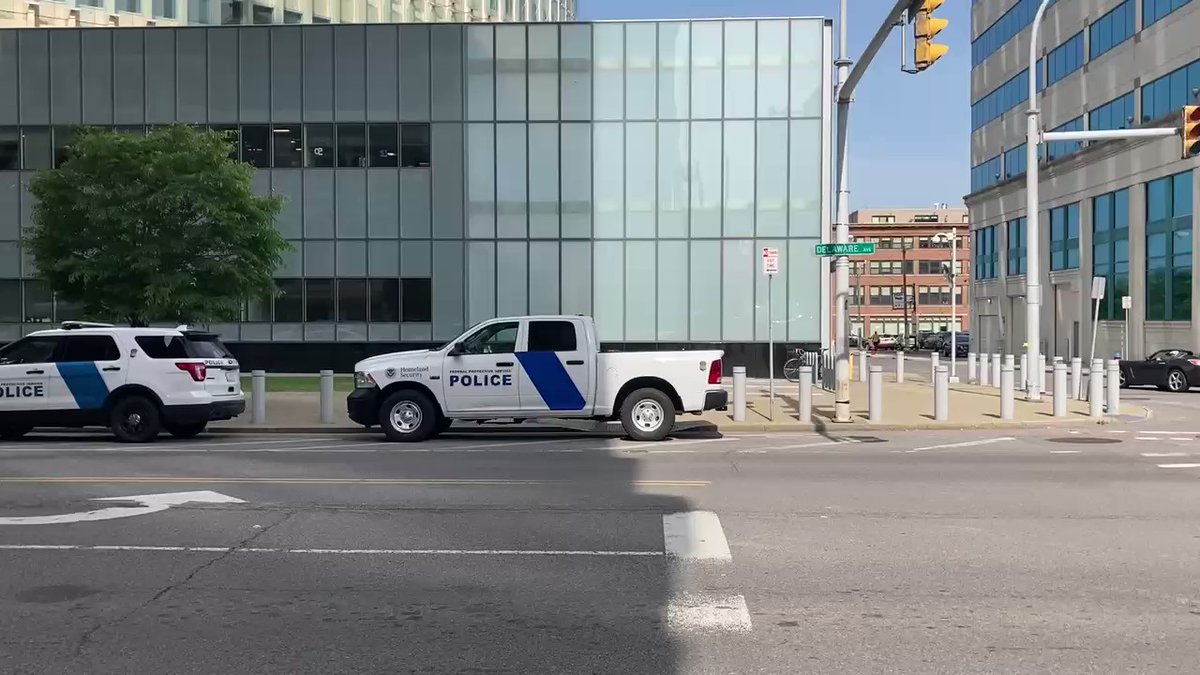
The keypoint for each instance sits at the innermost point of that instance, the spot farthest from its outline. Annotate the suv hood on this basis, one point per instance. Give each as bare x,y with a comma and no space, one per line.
388,359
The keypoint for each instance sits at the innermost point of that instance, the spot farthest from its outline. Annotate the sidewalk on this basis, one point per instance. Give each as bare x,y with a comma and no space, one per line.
907,406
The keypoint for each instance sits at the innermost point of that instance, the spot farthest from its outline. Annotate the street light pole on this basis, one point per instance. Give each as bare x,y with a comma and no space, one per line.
1033,287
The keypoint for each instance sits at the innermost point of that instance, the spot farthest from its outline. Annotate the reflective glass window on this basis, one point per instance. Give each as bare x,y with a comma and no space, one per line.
351,145
256,145
740,45
383,140
415,150
674,75
319,145
287,146
608,71
707,69
641,71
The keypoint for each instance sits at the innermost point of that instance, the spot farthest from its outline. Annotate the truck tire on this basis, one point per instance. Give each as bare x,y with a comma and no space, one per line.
648,415
408,416
135,419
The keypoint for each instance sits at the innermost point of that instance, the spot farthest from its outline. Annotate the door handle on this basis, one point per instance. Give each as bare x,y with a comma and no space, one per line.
35,372
111,369
574,363
504,364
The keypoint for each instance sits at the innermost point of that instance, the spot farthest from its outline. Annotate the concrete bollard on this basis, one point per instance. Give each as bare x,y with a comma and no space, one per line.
258,396
900,366
1096,389
1023,374
934,359
1060,389
326,397
941,394
1007,408
1113,380
1041,372
1077,378
995,370
875,396
862,366
739,393
805,411
985,371
971,376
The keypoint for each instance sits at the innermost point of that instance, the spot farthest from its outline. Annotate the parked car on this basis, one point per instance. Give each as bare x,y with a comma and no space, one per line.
1168,369
932,342
886,342
963,341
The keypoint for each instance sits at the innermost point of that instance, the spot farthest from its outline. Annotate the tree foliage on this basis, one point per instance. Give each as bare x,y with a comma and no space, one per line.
157,227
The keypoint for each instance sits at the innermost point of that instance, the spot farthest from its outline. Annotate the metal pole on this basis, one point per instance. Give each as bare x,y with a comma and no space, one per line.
1113,380
1006,392
1033,288
953,305
805,411
841,323
875,396
739,393
904,282
1077,378
326,397
1096,389
770,354
1125,341
258,396
1060,390
941,394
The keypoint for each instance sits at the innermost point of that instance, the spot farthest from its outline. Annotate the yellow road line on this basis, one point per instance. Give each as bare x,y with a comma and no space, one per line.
334,481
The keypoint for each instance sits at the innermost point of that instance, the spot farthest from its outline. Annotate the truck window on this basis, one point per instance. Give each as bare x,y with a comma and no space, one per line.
552,336
498,338
90,348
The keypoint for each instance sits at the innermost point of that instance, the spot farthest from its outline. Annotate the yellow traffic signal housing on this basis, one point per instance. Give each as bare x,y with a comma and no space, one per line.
926,27
1191,131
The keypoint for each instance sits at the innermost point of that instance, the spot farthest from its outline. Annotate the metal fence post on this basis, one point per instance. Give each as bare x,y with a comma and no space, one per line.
1006,392
805,411
258,396
326,397
900,365
875,396
995,370
933,366
941,394
1077,378
1060,389
739,393
971,376
1113,380
1096,389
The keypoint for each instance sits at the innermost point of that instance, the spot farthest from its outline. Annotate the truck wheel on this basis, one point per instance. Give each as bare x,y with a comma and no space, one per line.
13,433
408,417
135,419
648,415
185,430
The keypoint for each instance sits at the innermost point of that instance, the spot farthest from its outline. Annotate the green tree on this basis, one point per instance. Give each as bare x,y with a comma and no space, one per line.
157,227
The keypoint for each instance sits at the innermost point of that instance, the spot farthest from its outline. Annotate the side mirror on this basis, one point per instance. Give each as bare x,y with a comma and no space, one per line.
458,349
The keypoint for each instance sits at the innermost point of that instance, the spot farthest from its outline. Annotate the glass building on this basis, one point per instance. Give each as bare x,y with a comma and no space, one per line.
436,175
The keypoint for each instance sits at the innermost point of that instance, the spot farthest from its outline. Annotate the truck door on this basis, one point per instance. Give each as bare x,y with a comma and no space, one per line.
480,372
557,364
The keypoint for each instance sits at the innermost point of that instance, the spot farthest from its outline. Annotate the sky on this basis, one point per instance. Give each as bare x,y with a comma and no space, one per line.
909,134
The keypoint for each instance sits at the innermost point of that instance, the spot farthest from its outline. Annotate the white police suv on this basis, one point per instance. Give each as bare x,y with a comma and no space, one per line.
136,381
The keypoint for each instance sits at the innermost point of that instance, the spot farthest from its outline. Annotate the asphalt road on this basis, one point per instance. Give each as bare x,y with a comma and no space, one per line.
1065,550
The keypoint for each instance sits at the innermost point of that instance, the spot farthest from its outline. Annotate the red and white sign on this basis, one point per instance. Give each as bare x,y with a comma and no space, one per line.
770,261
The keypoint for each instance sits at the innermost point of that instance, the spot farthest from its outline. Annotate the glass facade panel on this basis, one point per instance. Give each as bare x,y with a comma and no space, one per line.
704,287
576,156
773,68
807,49
608,71
481,83
608,180
608,284
640,261
481,180
673,180
512,211
510,72
543,181
707,69
706,179
543,72
739,179
576,95
772,195
543,277
804,178
641,71
576,279
672,312
740,46
640,185
512,278
738,271
674,75
481,281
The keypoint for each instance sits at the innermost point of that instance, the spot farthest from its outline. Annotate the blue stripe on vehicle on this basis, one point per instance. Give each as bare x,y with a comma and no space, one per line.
86,384
552,381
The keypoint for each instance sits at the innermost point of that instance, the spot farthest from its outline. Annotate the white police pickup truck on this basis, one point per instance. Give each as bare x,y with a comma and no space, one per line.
533,367
136,381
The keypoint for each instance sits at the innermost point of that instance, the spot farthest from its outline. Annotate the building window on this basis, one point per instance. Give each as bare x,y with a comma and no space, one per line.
351,300
1111,29
318,300
132,6
1015,230
1003,29
1064,237
319,145
383,142
1110,249
416,300
890,267
414,145
1166,95
230,133
1064,59
986,174
883,219
286,147
1169,248
1059,149
1153,10
10,300
164,8
926,218
289,304
38,152
256,144
10,149
1002,99
263,15
385,300
351,145
1116,114
39,302
1015,161
933,295
985,252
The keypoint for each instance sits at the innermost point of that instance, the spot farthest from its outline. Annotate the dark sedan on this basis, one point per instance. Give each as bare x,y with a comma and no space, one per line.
1167,369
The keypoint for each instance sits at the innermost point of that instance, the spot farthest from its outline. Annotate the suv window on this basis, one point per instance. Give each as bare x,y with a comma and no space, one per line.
552,336
38,349
163,346
90,348
207,347
498,338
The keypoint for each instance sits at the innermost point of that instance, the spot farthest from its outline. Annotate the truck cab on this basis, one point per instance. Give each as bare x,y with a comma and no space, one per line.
531,367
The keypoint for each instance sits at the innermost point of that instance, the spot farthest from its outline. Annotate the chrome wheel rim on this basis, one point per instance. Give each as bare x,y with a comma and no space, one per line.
1175,380
133,422
647,415
406,417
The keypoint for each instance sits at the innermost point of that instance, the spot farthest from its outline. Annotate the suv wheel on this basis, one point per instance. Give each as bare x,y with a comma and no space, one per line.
648,415
186,430
13,433
135,419
409,417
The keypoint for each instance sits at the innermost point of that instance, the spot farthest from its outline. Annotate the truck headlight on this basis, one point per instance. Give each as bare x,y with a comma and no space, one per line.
363,380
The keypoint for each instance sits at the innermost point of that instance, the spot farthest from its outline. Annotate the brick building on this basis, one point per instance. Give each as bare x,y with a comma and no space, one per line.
908,252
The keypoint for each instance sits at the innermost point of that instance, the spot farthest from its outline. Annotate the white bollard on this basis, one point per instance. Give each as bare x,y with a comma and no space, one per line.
900,366
1023,374
862,366
941,394
995,370
1096,389
1113,380
805,411
1077,378
875,396
985,371
971,356
1041,372
326,397
1060,389
1006,392
739,393
933,365
258,396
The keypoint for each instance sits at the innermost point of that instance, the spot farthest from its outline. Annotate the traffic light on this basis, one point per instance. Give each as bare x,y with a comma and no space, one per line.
1191,131
925,27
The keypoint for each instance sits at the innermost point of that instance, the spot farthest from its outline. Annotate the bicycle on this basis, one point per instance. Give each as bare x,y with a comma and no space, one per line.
791,369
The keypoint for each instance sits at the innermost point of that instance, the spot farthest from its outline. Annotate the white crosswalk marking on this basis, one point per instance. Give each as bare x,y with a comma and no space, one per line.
699,613
695,535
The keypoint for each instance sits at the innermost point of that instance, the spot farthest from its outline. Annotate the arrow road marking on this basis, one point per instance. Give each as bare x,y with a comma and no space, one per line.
146,504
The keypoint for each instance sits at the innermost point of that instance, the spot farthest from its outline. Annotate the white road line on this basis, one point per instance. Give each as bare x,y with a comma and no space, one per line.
695,535
1168,433
1065,452
964,444
1147,438
1178,466
834,441
703,613
330,551
1164,454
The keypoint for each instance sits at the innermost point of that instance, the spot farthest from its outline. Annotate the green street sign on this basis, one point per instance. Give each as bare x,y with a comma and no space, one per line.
863,248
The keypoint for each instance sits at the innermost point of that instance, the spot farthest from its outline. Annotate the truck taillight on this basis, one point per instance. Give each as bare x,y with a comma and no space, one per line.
198,371
714,372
